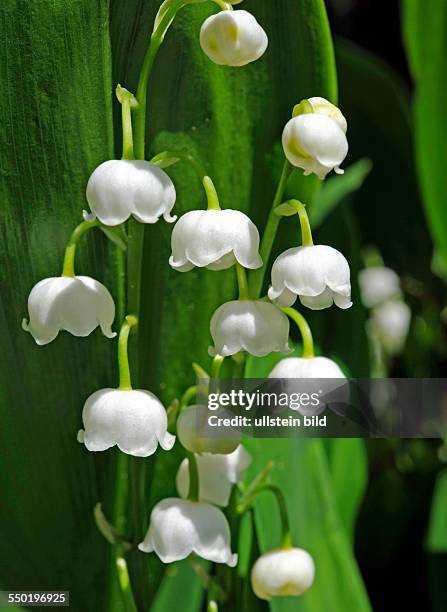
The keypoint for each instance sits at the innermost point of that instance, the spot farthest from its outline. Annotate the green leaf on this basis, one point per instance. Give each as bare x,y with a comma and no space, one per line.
437,528
348,466
56,106
425,34
180,587
336,188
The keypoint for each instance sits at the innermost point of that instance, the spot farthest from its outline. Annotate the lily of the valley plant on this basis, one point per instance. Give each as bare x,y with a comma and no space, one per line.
137,191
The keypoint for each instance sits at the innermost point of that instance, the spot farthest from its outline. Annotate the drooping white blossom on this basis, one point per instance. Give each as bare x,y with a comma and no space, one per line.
217,475
75,304
179,527
134,420
120,188
377,285
316,141
249,325
233,38
283,573
320,368
306,367
215,239
319,275
390,322
198,436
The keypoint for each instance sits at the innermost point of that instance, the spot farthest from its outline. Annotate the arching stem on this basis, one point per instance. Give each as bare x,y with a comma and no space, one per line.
125,383
70,250
303,326
242,282
211,193
306,232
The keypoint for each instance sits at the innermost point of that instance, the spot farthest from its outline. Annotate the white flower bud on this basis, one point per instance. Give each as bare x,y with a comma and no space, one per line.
319,275
179,527
197,436
215,239
378,285
283,573
320,368
217,475
233,38
247,325
316,142
134,420
391,322
321,106
75,304
119,188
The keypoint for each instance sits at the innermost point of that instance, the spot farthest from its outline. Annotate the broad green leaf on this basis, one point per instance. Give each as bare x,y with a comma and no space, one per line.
348,467
180,587
437,528
425,34
56,106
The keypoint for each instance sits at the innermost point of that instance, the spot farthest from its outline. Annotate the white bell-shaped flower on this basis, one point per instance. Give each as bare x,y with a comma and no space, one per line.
306,367
283,573
217,475
179,527
390,322
320,368
119,188
233,38
377,285
319,275
133,420
77,304
215,239
198,436
249,325
316,141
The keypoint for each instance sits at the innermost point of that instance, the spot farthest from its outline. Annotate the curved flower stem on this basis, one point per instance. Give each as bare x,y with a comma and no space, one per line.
242,282
268,237
70,250
286,540
211,193
125,383
193,494
306,334
306,232
225,6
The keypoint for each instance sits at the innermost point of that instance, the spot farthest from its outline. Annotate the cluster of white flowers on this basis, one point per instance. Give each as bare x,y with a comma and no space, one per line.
390,318
135,420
